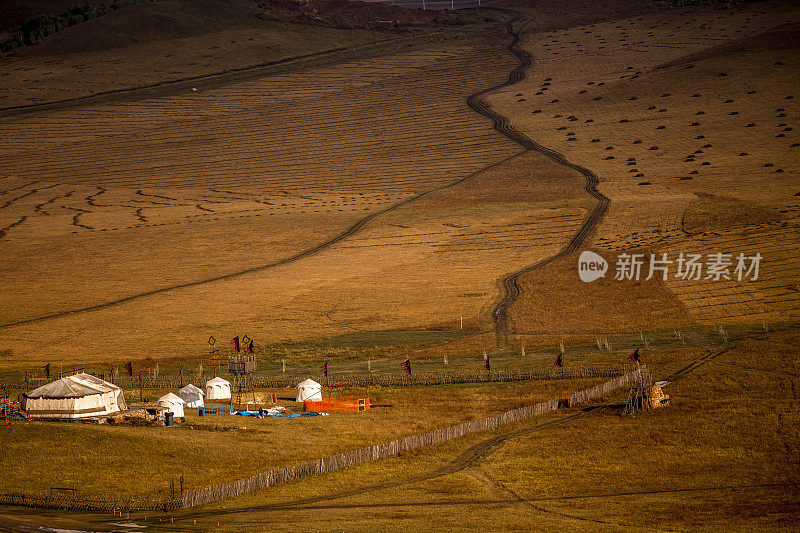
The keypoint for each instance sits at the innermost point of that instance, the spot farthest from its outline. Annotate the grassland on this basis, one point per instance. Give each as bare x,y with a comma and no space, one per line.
218,200
354,208
720,457
687,117
234,447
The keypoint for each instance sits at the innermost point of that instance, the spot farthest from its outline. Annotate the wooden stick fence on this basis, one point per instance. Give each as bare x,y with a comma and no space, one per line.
272,477
75,502
584,396
397,380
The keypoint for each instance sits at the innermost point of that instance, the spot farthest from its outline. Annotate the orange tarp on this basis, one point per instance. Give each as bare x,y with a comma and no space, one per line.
336,404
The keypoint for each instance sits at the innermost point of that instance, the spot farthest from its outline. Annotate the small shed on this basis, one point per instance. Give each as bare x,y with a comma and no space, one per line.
309,390
173,403
218,389
192,396
78,396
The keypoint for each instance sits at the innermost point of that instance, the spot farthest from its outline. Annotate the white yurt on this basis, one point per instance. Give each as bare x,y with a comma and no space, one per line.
191,395
218,389
78,396
173,403
309,390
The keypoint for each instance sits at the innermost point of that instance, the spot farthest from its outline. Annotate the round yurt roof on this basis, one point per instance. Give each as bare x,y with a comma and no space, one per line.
76,386
217,381
170,397
191,389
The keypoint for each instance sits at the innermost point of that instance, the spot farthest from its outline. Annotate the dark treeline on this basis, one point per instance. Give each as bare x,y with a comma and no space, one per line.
35,30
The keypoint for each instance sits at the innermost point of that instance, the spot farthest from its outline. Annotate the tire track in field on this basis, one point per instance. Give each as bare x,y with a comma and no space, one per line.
232,75
223,277
501,125
477,452
510,285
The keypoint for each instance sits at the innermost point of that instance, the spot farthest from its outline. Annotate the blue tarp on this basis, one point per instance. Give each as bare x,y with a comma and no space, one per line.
257,414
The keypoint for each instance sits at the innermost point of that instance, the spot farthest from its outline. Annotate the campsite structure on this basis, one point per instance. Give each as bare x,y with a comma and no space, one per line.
309,390
336,405
192,396
173,403
242,366
218,389
78,396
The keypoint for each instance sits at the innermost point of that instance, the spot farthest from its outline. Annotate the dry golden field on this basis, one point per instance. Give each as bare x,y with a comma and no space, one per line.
357,192
156,42
183,189
141,225
687,116
721,457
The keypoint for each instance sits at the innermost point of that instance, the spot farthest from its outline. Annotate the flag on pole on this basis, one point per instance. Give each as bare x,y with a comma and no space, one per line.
325,369
235,343
47,370
486,363
407,366
559,362
634,356
250,346
129,368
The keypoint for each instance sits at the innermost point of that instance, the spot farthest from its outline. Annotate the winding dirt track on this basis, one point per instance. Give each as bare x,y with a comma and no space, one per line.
501,125
478,451
305,253
509,283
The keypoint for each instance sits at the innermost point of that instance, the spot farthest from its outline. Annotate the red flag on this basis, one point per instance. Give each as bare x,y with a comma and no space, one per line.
325,369
407,366
559,362
634,356
47,370
486,364
129,368
235,343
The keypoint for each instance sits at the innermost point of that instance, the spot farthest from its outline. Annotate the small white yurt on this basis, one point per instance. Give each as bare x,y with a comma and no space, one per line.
218,389
78,396
309,390
173,403
191,395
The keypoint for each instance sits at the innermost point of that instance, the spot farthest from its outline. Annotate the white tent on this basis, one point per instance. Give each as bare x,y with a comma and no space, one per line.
192,395
173,403
218,389
78,396
309,390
